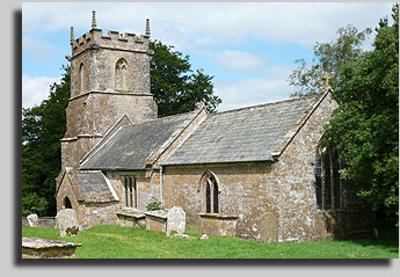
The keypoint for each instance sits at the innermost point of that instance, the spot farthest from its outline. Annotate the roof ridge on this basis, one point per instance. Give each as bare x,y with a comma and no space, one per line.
158,119
267,104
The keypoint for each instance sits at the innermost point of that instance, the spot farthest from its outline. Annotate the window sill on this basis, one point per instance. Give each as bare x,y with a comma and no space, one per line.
331,210
218,216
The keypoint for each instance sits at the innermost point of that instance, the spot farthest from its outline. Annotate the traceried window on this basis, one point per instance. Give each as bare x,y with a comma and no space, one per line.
210,193
82,78
121,75
131,194
327,179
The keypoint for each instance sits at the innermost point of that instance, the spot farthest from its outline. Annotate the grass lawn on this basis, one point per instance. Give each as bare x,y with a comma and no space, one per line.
111,241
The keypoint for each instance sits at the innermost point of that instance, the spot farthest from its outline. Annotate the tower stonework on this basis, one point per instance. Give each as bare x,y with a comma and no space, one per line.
110,79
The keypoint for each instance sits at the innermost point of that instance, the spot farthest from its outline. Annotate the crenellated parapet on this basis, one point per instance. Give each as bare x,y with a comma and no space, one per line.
96,38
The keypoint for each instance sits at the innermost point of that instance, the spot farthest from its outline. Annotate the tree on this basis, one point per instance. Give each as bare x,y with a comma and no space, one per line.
176,89
364,128
329,57
42,128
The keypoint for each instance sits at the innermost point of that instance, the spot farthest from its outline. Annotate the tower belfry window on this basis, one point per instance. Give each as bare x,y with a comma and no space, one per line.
121,75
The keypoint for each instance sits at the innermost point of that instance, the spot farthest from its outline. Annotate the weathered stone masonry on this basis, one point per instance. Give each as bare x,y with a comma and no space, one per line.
262,194
117,155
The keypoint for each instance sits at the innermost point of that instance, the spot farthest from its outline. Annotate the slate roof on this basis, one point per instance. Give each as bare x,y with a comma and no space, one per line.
247,134
131,146
92,186
91,181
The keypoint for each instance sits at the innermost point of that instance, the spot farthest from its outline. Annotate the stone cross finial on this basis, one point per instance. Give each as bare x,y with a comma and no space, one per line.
326,77
200,105
71,34
94,24
147,33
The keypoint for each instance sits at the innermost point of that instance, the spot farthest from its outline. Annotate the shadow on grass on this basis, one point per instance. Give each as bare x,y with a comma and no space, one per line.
389,240
391,245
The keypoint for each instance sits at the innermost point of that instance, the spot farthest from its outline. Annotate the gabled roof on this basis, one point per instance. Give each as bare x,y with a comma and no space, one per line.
243,135
132,146
92,186
123,121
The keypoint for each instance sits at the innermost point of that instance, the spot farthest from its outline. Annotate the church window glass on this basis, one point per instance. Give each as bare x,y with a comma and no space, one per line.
211,198
328,187
131,195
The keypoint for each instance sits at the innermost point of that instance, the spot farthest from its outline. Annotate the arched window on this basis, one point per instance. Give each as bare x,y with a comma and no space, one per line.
67,203
318,180
82,81
121,75
210,193
328,186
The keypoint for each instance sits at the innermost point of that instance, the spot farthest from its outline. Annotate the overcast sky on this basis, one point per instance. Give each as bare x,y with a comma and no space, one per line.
249,48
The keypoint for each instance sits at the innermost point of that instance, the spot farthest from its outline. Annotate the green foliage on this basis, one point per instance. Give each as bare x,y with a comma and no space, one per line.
364,129
329,57
111,241
154,204
365,126
175,86
33,203
42,128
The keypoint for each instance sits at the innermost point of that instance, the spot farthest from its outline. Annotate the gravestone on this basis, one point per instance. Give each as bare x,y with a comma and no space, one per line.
67,222
176,220
33,220
37,248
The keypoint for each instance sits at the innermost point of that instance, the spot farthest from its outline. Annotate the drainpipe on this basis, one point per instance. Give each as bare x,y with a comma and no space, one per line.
161,185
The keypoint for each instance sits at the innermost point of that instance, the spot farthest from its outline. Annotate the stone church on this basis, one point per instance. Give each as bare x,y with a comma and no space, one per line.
256,172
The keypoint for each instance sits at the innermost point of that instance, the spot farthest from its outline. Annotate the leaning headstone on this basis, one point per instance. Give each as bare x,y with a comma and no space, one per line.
33,220
204,237
67,222
176,220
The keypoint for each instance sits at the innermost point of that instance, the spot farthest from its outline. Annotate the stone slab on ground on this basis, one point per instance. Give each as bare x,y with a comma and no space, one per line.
156,221
129,217
38,248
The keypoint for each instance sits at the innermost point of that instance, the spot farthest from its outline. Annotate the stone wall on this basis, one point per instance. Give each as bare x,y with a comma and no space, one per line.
73,150
88,214
273,201
46,221
241,193
100,213
148,186
297,213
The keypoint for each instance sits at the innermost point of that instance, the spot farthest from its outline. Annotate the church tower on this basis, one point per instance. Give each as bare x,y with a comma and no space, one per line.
110,80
